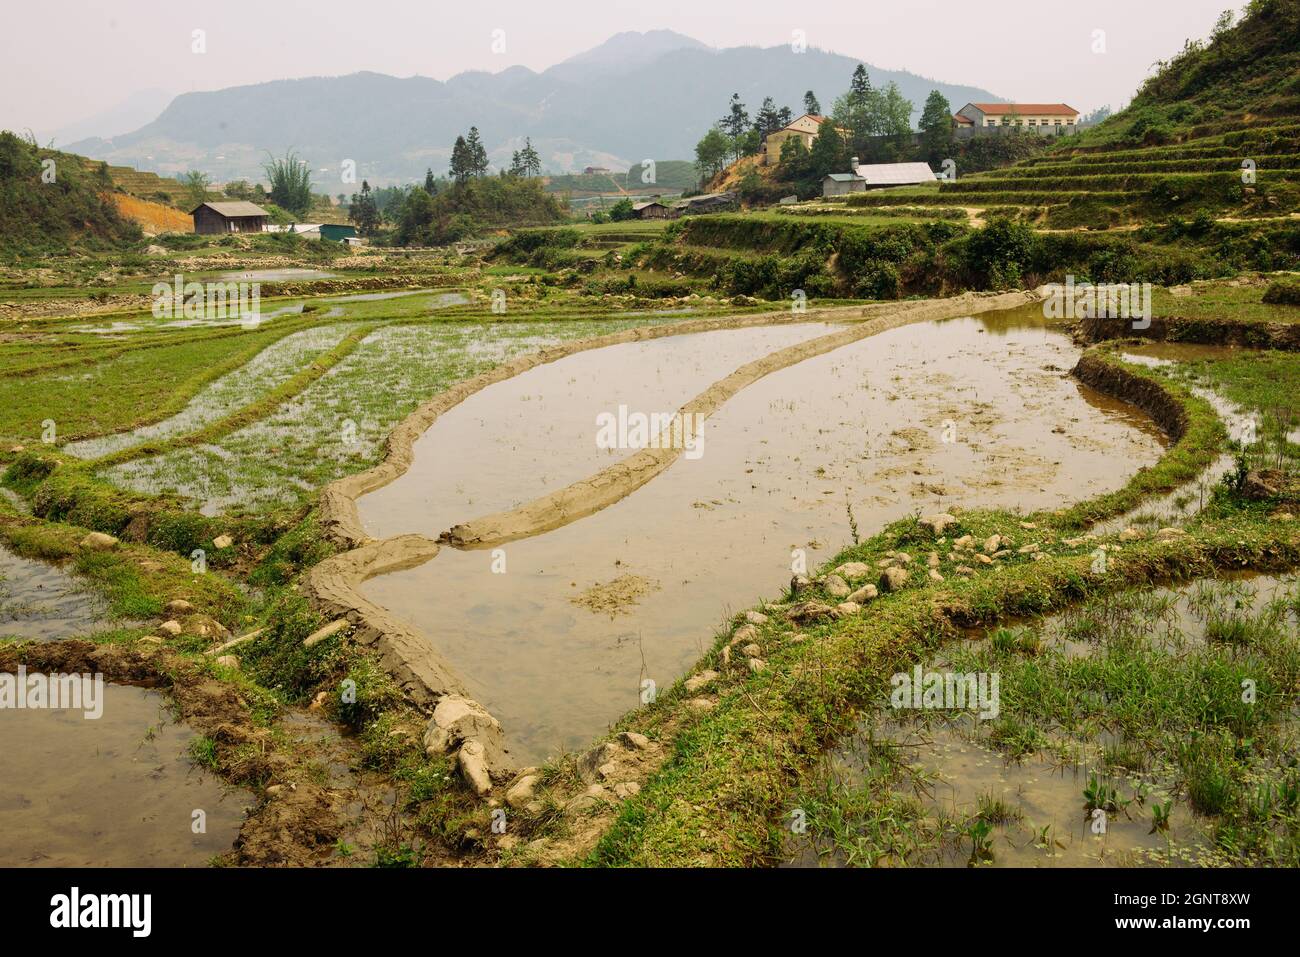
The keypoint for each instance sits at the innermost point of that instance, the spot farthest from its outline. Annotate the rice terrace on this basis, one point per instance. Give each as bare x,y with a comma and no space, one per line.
398,473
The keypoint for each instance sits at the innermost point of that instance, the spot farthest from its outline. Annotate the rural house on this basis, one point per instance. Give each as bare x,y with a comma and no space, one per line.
1047,118
651,209
233,217
876,175
706,203
805,128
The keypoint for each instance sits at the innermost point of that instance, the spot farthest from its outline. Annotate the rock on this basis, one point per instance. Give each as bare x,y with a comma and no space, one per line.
892,579
935,576
744,633
592,764
932,560
837,587
756,617
992,544
1282,517
178,607
1028,526
937,523
965,570
700,704
963,543
150,640
16,449
1262,485
757,664
472,761
984,559
222,541
626,790
1130,534
800,585
1169,534
207,627
633,741
696,682
594,796
1028,549
808,611
172,627
853,571
863,595
901,557
751,650
1003,553
846,609
99,542
457,719
329,631
229,661
318,702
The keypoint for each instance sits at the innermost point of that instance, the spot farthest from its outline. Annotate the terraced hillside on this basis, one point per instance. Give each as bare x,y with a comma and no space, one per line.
1214,133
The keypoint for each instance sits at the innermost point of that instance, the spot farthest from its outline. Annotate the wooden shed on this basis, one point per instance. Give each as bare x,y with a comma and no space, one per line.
233,217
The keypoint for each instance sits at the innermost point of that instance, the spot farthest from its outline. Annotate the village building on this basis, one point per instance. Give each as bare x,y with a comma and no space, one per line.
804,128
706,203
651,209
876,176
232,217
1046,118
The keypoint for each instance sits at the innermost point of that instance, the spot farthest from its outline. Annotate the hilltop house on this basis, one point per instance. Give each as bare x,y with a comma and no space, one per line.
875,176
235,217
806,128
1047,118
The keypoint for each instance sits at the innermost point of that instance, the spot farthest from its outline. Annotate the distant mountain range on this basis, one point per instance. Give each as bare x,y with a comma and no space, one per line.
636,96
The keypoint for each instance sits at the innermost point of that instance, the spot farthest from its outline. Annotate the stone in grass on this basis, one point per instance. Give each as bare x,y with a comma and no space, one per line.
808,611
633,741
853,571
757,665
99,542
522,792
592,765
222,541
456,719
744,633
177,607
864,594
756,617
696,682
837,587
229,661
846,609
937,523
172,627
472,761
752,650
892,579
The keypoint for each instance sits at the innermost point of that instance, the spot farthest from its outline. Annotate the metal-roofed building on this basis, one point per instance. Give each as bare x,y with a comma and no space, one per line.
233,217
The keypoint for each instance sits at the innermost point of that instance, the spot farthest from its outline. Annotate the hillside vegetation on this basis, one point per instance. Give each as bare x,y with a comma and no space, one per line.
55,204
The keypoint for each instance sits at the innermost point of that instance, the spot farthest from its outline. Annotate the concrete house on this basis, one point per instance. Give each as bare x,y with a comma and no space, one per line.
1046,118
805,128
234,217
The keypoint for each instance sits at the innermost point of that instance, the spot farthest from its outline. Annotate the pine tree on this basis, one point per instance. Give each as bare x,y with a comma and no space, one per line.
531,161
810,104
936,127
765,121
430,184
735,123
477,155
364,212
461,169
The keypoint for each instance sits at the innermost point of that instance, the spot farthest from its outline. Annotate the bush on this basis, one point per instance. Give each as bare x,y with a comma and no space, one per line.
1283,292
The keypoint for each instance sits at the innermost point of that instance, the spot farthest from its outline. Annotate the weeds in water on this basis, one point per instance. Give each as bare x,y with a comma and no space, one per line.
1160,816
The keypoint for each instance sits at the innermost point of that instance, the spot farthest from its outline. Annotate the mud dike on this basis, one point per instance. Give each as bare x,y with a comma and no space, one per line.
528,629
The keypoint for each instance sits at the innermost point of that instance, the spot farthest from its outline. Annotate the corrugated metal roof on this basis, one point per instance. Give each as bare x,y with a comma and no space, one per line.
233,209
653,202
843,177
896,174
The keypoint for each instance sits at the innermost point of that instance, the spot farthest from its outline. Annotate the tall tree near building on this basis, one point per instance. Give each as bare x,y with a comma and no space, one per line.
810,104
290,181
767,119
735,123
936,128
711,153
364,212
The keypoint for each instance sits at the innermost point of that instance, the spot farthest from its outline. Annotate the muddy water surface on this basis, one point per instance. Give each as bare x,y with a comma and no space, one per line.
117,791
923,417
42,602
534,433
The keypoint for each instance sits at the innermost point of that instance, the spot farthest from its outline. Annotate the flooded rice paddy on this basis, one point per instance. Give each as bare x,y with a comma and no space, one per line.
41,602
556,634
1087,773
536,432
115,791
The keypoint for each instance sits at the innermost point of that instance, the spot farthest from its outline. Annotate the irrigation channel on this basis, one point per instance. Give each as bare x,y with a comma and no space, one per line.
557,617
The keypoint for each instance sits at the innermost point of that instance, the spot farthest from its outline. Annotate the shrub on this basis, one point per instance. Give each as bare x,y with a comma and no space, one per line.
1283,292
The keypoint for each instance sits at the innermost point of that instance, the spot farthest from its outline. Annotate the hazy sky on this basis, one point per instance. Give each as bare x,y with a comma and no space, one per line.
64,60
